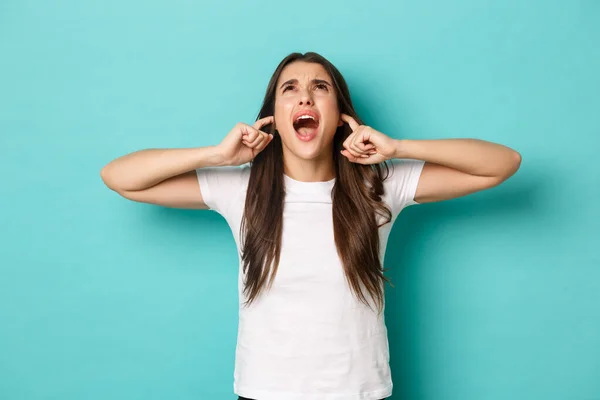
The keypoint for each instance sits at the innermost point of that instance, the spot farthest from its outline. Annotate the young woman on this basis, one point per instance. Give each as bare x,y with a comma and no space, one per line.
305,194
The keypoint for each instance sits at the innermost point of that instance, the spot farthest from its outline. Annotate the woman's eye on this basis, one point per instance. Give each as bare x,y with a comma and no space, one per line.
318,86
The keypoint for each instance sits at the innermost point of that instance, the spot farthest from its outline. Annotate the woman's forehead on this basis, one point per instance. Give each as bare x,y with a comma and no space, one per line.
303,71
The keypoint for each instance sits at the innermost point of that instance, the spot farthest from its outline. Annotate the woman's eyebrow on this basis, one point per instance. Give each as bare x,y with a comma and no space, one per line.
294,81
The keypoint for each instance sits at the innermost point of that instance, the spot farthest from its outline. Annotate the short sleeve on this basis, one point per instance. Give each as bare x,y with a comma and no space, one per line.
223,187
401,183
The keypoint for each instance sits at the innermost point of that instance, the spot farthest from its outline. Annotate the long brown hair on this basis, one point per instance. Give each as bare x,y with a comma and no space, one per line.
356,198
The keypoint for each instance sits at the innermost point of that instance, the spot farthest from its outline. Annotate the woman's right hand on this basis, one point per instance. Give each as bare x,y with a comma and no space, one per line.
244,142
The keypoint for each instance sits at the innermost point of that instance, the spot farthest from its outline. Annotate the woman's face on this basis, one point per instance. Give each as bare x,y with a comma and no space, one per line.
306,87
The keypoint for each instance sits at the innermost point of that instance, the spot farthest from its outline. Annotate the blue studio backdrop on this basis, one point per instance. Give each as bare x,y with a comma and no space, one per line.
497,294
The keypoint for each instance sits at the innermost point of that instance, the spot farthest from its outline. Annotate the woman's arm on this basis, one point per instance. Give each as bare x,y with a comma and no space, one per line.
457,167
453,167
167,177
164,177
145,168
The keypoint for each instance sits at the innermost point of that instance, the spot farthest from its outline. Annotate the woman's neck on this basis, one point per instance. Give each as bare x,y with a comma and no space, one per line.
315,170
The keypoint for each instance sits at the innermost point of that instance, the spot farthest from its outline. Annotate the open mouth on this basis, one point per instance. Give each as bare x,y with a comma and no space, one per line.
306,126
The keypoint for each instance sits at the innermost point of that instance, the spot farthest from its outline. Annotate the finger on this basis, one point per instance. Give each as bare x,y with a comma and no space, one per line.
358,148
263,137
367,147
258,142
245,129
264,143
348,140
259,138
352,152
251,144
351,157
251,134
361,159
367,150
348,155
363,140
350,121
263,121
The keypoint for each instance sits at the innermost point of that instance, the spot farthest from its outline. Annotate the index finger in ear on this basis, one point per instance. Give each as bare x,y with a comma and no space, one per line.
263,121
353,124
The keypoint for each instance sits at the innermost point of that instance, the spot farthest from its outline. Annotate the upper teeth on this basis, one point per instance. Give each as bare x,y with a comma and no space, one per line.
305,117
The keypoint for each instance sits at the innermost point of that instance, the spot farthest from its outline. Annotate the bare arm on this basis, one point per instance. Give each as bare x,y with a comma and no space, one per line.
457,167
161,176
453,167
167,177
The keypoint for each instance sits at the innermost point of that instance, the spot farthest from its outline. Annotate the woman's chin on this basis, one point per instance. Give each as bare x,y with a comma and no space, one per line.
306,148
309,151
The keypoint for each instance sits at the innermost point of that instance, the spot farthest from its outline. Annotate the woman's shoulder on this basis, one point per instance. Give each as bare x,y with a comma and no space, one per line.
400,182
232,174
222,186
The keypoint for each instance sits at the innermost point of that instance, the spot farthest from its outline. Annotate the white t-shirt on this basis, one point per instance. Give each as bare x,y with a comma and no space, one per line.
308,337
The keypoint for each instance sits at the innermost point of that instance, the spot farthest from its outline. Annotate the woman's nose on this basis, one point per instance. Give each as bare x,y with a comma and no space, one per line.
305,98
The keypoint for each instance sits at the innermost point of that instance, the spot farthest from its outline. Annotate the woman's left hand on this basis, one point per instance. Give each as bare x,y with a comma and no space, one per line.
365,145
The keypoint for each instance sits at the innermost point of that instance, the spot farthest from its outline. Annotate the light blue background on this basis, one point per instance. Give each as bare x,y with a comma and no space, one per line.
497,294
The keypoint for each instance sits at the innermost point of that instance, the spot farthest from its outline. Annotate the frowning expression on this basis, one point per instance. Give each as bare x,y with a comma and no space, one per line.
306,110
